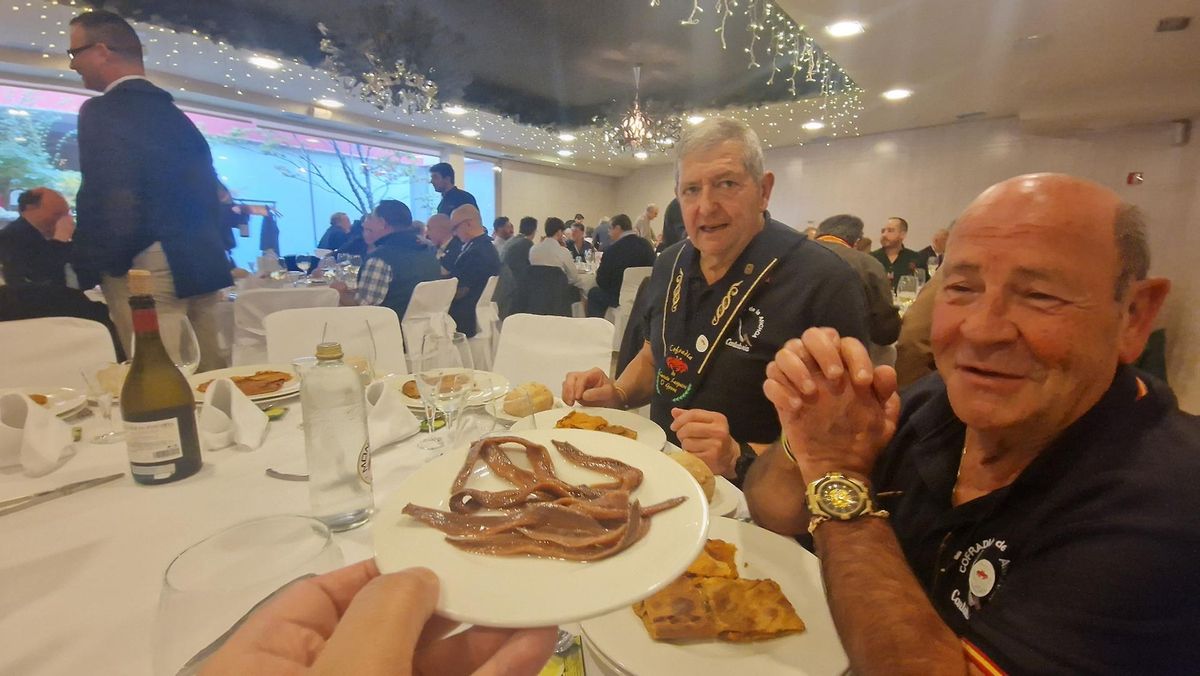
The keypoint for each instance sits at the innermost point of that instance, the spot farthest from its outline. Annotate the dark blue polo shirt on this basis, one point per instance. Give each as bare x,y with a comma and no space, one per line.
1087,562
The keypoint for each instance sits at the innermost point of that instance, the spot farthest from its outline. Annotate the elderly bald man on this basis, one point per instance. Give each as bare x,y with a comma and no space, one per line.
35,248
1040,494
475,263
437,231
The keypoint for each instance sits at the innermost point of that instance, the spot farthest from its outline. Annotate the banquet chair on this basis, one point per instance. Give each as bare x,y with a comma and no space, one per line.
295,333
487,318
52,351
549,292
251,309
619,316
428,313
543,349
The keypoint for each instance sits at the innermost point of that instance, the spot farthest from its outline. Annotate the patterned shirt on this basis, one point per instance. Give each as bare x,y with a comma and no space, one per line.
373,283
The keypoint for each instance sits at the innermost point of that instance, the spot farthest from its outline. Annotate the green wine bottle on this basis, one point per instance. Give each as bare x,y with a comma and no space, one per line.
156,401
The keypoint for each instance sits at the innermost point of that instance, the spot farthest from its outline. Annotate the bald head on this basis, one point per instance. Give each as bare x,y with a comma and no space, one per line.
437,230
42,207
466,223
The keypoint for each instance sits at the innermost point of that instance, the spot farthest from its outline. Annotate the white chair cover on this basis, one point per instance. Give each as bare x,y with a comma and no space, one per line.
251,309
487,318
52,351
619,315
295,333
428,313
544,348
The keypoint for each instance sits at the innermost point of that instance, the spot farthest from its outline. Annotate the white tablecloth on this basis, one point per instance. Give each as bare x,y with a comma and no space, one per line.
80,575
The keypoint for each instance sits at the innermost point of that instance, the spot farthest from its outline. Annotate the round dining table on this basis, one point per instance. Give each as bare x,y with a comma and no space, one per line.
82,573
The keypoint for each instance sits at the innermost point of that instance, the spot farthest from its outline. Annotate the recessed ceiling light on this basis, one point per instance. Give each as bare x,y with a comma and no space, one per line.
470,133
313,140
813,125
330,103
454,110
565,153
844,29
641,154
566,136
897,94
265,62
18,112
695,119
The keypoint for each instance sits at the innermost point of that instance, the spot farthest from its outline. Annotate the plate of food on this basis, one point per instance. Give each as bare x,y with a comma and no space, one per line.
61,401
259,382
614,421
752,602
522,401
591,523
485,386
723,497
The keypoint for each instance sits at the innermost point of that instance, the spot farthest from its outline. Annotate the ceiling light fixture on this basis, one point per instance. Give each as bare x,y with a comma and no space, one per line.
454,110
813,125
565,153
566,137
379,73
470,133
897,94
330,103
844,29
695,119
641,154
636,130
265,62
18,112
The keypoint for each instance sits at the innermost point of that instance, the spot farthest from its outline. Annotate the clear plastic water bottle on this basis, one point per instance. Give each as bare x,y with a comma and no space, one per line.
335,441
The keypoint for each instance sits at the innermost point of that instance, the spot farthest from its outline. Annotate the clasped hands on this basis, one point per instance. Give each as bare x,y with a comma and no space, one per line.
837,409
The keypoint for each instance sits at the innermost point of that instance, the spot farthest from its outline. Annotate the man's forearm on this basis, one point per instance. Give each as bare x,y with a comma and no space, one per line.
637,380
774,492
883,617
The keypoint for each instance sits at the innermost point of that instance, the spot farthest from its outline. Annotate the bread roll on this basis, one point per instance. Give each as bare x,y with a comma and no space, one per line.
699,471
540,398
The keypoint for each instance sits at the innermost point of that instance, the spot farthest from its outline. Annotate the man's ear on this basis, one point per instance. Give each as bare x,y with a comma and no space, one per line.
1145,300
768,184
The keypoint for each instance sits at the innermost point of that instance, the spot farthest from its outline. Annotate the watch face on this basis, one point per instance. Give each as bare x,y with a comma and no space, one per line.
840,498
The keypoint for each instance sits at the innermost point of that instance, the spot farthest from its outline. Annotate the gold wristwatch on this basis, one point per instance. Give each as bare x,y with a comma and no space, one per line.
837,496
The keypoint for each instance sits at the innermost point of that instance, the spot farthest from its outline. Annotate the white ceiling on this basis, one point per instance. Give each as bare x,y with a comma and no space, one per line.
1060,65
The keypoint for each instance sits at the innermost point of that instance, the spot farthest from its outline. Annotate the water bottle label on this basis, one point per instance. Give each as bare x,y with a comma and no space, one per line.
364,464
153,442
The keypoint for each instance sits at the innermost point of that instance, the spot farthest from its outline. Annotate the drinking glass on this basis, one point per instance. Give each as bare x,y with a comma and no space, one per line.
906,290
304,263
932,265
104,382
179,338
212,585
441,382
920,272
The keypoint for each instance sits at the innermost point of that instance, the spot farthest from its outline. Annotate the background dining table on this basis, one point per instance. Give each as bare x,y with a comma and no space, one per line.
82,573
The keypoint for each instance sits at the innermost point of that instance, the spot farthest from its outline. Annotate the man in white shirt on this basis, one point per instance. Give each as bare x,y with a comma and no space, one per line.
552,252
642,227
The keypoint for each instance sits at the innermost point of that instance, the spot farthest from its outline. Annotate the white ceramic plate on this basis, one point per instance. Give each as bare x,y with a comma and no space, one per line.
526,592
648,432
61,401
488,387
495,408
289,388
622,639
726,498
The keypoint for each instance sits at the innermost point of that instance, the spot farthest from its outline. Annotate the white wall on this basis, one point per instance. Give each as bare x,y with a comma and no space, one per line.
928,176
532,190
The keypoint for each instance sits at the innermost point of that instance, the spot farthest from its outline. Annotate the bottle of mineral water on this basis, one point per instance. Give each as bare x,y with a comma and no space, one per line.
335,441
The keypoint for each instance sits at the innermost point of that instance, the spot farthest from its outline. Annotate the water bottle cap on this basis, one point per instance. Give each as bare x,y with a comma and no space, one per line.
329,351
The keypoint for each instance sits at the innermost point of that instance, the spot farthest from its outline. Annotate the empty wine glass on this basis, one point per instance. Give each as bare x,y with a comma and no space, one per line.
441,382
179,338
932,264
906,290
104,382
211,586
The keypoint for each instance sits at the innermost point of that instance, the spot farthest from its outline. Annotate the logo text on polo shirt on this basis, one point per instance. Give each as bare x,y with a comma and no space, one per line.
980,567
749,326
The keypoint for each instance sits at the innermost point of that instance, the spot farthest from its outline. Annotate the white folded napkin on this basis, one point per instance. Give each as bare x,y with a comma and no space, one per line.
229,418
31,437
388,419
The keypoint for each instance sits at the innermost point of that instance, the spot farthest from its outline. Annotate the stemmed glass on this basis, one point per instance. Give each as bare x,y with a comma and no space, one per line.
906,290
442,383
304,263
104,382
179,338
220,579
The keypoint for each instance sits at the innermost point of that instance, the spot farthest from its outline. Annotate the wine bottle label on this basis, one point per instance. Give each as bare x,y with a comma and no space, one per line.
151,442
145,321
364,464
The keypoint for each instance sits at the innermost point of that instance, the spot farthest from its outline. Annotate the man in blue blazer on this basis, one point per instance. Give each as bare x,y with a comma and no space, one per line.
149,194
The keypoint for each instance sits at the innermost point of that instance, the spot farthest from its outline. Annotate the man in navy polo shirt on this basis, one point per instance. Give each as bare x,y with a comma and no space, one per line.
1043,495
